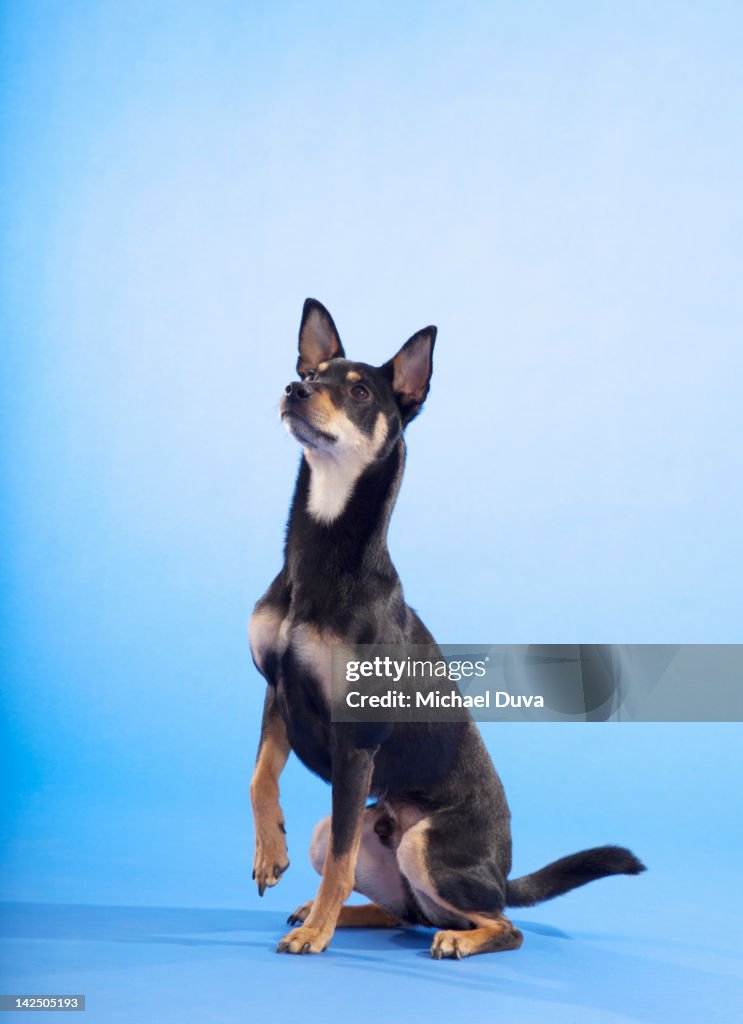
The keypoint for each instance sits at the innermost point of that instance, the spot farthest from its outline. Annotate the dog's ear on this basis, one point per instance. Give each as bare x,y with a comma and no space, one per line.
318,337
410,372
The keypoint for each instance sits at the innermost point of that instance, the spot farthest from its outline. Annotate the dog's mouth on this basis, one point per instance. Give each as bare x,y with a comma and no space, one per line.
304,431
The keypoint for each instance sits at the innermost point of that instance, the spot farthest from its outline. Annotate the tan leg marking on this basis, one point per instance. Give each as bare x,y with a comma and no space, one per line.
271,859
368,915
336,886
491,932
337,883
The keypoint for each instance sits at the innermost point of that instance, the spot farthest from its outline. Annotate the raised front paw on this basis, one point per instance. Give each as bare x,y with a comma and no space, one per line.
304,940
271,860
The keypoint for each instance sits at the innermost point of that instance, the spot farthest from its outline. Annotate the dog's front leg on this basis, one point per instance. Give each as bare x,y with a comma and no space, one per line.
352,772
271,860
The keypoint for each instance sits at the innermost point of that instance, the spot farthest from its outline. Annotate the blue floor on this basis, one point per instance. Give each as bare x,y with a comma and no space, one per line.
179,964
149,910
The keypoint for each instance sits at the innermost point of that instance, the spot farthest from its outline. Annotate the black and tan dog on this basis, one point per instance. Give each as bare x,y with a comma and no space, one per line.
435,849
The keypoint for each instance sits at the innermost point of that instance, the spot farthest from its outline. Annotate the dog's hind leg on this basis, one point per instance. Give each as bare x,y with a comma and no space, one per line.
368,915
459,888
377,876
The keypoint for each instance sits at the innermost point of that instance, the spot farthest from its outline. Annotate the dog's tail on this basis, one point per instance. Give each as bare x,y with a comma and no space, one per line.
569,872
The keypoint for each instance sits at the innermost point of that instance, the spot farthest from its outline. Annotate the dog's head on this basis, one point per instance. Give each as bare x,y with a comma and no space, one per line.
351,412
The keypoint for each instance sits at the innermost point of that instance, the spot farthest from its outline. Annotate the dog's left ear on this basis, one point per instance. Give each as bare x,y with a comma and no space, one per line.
410,372
318,338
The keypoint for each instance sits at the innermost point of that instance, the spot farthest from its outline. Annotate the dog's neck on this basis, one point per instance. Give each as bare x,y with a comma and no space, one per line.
332,482
340,515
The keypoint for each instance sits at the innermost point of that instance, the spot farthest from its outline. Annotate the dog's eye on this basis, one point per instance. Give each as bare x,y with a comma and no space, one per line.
361,392
311,375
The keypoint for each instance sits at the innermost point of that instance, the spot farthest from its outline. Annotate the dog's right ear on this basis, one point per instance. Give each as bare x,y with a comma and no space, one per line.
318,338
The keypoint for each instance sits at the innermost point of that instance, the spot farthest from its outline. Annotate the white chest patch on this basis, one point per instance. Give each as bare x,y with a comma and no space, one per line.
313,649
334,471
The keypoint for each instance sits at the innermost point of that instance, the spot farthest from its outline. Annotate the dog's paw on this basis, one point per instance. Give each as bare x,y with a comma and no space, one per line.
459,944
304,940
451,944
301,914
271,859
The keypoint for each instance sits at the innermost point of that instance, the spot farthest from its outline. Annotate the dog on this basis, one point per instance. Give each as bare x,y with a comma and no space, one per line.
435,847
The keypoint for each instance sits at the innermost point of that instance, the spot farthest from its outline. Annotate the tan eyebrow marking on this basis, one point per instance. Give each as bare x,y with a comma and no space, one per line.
322,367
352,376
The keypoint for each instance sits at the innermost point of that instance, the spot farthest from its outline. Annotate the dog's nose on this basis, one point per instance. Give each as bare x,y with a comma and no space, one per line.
297,390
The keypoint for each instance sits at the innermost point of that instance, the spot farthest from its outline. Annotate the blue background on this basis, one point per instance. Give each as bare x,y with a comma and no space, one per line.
557,187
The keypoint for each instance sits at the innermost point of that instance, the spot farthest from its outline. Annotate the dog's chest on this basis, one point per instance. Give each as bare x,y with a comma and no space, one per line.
280,645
